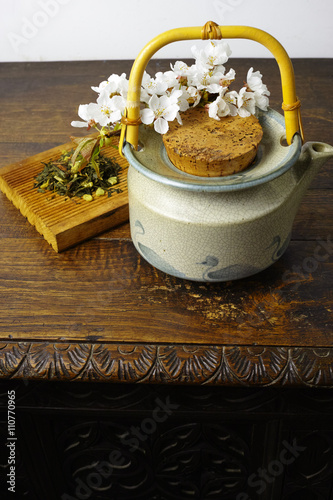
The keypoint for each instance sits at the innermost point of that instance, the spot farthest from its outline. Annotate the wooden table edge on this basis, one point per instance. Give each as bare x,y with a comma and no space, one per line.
221,365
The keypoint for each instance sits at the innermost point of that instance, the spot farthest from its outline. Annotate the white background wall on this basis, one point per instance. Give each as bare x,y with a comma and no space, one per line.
49,30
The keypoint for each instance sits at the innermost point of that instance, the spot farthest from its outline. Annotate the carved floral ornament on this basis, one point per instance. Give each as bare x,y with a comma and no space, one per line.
200,365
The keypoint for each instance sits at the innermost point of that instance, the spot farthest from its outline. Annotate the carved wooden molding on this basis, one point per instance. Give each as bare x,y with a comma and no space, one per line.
179,364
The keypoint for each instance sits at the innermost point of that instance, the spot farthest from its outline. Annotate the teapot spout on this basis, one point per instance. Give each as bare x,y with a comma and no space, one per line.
312,158
320,151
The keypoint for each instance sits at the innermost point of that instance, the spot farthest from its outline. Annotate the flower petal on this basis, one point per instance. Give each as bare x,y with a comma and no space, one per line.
154,102
261,101
147,116
170,112
243,112
79,124
212,110
161,126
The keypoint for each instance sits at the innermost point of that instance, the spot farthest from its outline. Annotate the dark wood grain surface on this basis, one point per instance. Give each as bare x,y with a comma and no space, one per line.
99,311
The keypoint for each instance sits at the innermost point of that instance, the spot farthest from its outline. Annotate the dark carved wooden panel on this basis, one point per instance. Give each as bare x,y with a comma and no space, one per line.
126,441
310,475
181,461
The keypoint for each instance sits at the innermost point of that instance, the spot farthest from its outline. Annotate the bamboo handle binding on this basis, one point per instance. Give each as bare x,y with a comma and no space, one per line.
291,105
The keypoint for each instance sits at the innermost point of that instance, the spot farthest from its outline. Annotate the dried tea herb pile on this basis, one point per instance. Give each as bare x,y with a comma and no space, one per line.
79,179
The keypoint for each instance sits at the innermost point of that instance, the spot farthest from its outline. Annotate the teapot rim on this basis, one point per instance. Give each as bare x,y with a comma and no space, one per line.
152,160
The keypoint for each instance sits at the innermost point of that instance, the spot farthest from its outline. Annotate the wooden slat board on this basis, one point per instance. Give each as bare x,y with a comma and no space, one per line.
62,221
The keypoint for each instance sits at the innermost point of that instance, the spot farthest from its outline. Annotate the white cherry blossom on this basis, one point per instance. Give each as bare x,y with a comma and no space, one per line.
204,78
161,110
246,103
254,82
157,85
110,110
115,84
88,113
192,95
215,53
168,94
189,97
170,78
117,105
153,86
224,105
218,108
180,68
228,78
105,112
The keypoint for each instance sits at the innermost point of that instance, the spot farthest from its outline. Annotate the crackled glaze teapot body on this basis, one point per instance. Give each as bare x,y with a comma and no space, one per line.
222,228
218,230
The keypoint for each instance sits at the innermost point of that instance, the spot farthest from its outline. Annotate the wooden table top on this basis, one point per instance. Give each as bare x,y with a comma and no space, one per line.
98,311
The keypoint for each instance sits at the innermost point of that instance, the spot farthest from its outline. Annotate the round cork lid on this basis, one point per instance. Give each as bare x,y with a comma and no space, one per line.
207,147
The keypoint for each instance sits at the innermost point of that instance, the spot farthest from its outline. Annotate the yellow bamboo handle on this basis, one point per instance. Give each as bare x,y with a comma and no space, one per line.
290,106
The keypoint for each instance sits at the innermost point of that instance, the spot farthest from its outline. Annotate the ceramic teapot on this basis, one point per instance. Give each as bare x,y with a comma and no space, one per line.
218,228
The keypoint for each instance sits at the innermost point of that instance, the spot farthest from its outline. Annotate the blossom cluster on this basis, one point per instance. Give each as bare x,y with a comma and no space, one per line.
164,97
